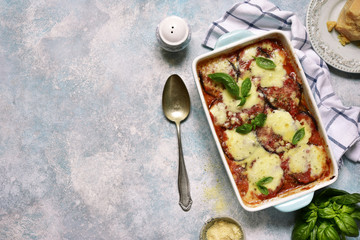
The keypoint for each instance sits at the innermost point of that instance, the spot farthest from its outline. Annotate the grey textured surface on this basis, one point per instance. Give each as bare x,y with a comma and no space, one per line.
85,151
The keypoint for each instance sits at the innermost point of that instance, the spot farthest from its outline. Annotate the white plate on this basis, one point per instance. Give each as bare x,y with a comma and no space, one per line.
326,44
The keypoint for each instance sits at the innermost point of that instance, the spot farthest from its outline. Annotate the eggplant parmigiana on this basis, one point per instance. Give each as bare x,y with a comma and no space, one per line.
268,134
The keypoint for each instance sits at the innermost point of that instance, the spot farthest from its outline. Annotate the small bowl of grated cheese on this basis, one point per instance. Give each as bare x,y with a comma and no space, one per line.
221,228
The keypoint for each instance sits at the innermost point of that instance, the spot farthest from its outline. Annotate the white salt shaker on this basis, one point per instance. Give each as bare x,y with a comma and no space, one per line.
173,34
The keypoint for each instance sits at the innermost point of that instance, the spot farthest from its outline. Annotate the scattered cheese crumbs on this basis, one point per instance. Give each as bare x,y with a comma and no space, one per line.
213,194
330,25
343,40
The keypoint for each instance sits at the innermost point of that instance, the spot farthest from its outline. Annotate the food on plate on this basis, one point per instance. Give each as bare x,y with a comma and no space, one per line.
223,229
343,40
348,23
268,134
330,215
330,25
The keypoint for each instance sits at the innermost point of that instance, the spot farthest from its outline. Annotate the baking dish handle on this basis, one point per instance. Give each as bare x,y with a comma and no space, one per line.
296,203
231,37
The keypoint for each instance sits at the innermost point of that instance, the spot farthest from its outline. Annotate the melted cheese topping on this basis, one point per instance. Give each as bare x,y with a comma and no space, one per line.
284,125
219,113
249,54
305,156
265,165
241,146
217,65
271,78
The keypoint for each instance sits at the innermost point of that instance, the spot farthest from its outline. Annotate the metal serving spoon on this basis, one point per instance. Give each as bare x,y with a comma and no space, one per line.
176,107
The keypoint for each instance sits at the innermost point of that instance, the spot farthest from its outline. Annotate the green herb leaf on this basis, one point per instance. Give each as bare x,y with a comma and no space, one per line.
323,196
347,198
331,215
355,215
260,184
327,232
347,225
347,209
324,204
336,207
244,129
301,231
265,180
245,87
259,120
311,216
265,63
263,189
312,206
229,83
313,233
327,213
242,101
298,136
244,92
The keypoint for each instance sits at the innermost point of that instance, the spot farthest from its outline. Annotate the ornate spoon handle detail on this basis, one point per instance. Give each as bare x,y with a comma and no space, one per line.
185,201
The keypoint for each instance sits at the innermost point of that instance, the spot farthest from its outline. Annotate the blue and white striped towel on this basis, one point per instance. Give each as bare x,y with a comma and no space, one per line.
341,123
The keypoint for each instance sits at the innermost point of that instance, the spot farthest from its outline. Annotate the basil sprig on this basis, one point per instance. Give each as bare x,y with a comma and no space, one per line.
258,121
245,89
244,129
265,63
260,185
298,136
229,83
330,215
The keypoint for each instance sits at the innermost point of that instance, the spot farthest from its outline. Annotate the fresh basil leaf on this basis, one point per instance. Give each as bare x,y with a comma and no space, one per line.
259,120
312,206
327,232
324,204
261,182
242,101
313,233
229,83
355,215
245,87
301,231
265,180
347,209
327,193
265,63
336,207
311,216
347,225
347,198
327,213
263,189
244,129
298,135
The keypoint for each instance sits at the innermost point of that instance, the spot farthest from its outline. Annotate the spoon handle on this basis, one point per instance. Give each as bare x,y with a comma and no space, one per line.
183,180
